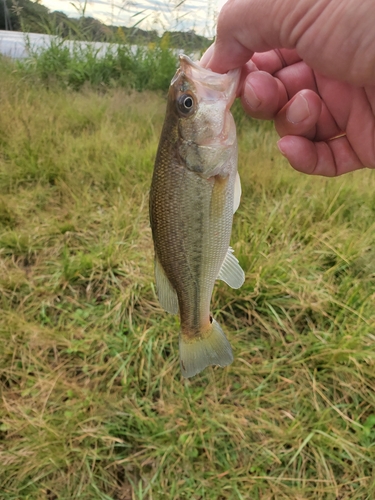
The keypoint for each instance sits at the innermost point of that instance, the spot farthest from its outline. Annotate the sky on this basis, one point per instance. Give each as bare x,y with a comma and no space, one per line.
161,15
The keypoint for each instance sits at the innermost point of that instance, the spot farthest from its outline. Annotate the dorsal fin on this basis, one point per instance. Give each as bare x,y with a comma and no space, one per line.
166,293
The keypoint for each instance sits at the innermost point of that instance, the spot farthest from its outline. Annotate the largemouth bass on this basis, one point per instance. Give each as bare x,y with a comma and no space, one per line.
195,191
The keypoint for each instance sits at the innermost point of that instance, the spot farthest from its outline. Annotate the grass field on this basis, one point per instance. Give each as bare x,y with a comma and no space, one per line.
93,405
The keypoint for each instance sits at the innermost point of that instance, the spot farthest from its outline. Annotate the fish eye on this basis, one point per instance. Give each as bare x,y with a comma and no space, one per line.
185,104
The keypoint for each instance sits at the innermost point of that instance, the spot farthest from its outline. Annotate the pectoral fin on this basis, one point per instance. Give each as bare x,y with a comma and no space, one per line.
166,293
231,271
237,193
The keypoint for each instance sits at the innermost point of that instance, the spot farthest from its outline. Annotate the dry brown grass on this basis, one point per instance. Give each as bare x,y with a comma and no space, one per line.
93,404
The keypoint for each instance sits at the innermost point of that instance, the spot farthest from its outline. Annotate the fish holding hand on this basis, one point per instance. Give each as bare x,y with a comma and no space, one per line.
194,193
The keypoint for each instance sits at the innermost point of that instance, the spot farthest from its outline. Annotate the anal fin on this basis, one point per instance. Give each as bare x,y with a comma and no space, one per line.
166,293
231,271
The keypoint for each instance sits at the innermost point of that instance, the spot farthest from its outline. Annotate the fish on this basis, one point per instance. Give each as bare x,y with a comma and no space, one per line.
194,193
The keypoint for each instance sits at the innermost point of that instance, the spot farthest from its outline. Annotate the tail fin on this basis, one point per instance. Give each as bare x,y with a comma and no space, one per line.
213,350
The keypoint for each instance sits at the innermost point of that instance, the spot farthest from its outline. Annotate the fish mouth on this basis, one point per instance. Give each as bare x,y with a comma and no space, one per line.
226,83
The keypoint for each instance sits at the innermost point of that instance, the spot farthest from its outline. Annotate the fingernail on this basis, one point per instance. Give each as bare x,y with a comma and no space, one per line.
205,59
250,96
298,110
280,146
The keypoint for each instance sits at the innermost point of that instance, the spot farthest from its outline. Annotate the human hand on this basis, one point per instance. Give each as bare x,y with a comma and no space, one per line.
320,87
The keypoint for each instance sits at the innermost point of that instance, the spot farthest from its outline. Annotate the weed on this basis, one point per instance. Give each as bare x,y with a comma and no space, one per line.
71,64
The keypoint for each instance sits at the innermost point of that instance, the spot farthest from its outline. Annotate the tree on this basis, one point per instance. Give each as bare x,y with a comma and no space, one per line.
24,15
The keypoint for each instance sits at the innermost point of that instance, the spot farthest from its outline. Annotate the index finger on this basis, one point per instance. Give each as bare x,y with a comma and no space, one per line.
275,60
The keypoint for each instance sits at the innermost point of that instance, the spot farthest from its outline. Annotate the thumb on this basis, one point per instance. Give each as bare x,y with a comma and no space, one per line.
248,26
